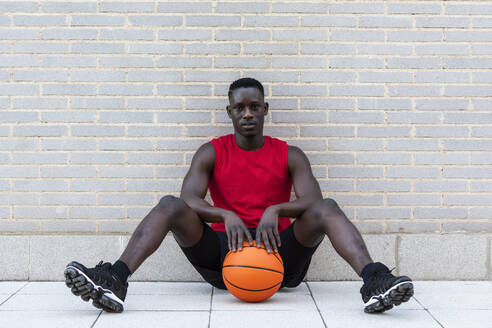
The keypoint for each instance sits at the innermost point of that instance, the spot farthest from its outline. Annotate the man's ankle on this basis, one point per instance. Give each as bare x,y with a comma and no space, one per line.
370,269
121,270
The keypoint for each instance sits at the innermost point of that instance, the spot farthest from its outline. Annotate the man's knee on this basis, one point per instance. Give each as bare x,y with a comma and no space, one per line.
323,210
171,205
178,212
325,207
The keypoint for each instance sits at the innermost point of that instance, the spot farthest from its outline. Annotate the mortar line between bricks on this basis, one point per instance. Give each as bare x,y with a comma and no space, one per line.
316,304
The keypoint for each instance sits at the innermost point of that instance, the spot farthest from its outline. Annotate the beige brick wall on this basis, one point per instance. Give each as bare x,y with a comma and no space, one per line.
103,104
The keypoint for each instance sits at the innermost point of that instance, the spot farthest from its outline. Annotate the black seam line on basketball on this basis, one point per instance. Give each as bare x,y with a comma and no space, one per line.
252,267
251,290
279,260
274,254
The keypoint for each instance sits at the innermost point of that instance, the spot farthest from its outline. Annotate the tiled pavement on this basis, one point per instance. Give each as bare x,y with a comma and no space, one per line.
447,304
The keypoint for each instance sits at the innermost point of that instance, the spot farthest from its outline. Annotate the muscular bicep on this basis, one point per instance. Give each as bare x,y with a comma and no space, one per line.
305,184
195,183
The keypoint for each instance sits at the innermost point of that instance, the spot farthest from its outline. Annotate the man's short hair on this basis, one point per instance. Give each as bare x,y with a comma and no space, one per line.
246,82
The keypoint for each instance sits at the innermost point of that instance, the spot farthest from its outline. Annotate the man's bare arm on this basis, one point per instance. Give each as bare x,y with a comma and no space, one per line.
305,185
195,184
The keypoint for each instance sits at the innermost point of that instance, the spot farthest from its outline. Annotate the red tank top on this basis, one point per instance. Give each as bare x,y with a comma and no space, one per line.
247,182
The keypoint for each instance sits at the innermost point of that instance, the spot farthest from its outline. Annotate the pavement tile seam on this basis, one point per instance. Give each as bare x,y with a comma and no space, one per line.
436,314
315,304
184,310
13,294
210,308
434,318
269,310
126,311
427,310
94,323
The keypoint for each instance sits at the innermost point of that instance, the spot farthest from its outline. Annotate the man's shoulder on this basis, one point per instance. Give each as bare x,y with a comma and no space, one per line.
291,149
294,149
295,154
206,150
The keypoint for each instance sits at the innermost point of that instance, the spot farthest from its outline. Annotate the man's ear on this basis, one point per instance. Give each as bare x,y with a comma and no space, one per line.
227,110
266,108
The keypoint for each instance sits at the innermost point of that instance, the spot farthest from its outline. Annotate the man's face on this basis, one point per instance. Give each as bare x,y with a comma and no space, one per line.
246,105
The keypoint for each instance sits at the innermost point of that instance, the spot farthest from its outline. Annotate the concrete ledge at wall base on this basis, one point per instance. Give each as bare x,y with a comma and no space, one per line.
420,256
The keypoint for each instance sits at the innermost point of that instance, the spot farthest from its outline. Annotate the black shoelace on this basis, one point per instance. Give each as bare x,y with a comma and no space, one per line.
100,264
103,275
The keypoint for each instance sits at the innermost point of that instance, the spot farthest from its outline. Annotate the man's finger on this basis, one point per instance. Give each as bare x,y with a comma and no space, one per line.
277,236
240,240
265,240
248,235
229,239
234,240
258,238
273,242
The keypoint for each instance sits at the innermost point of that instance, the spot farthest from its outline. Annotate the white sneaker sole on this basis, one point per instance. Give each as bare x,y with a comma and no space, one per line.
396,295
83,286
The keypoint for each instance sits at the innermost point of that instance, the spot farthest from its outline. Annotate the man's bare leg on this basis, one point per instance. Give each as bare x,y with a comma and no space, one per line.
104,283
172,213
381,290
326,218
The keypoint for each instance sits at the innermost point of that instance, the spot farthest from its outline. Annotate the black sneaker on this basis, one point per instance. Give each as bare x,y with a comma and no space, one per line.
106,290
383,290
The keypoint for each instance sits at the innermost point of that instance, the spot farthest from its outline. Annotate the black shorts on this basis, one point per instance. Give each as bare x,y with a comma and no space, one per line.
208,255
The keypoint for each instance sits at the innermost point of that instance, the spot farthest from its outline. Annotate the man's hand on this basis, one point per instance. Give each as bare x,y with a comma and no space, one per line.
235,230
267,230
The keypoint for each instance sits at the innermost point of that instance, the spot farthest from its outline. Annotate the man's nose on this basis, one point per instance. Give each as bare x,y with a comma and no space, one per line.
248,112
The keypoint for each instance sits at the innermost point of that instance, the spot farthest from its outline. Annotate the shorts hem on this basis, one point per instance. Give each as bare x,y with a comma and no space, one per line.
291,227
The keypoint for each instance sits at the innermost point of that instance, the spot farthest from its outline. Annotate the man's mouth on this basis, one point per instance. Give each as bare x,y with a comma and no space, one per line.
249,126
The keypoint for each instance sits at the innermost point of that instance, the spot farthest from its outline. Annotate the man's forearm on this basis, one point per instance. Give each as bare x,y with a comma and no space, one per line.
295,208
206,211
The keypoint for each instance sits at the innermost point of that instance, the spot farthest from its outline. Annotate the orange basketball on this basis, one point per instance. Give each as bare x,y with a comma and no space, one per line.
252,274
